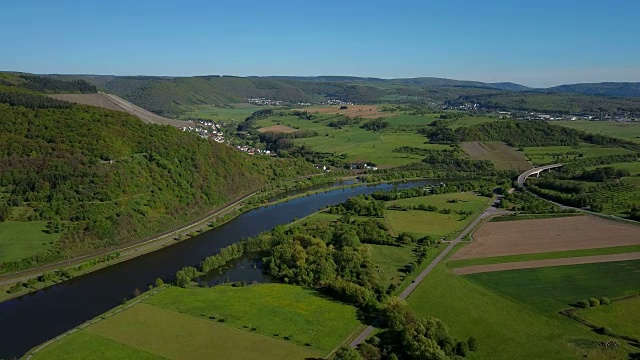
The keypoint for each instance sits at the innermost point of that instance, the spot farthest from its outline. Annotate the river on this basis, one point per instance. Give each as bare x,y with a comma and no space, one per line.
34,318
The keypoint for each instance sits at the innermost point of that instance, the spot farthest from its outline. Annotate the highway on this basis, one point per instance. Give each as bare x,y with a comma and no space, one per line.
523,177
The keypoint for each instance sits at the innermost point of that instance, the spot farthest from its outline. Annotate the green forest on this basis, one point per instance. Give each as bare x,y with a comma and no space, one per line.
104,178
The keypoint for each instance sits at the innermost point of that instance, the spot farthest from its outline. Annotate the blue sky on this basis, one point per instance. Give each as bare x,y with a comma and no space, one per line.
536,43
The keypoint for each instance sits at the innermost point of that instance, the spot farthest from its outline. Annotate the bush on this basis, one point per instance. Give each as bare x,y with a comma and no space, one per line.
462,349
605,331
605,301
583,304
159,282
472,343
593,302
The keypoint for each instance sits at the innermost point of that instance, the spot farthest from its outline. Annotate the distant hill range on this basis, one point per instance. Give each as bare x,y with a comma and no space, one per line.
172,96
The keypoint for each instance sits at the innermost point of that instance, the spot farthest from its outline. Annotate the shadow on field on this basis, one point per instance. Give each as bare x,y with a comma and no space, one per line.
366,317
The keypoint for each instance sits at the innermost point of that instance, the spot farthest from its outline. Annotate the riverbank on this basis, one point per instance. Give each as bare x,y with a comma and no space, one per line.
217,217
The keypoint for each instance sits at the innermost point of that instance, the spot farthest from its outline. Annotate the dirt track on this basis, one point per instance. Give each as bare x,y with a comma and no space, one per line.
89,99
545,263
548,235
113,102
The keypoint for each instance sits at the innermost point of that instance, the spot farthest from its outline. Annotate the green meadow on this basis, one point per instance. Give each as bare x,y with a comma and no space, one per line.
623,317
19,240
355,143
284,313
632,167
433,222
624,130
236,113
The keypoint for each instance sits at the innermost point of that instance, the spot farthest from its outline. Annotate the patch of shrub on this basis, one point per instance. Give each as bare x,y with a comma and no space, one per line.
593,302
472,342
605,301
583,304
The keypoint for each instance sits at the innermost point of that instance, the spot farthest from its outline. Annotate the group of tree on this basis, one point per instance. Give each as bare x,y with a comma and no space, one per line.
362,205
375,125
250,121
409,337
520,134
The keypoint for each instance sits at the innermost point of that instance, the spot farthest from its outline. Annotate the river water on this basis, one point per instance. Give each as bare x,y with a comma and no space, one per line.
34,318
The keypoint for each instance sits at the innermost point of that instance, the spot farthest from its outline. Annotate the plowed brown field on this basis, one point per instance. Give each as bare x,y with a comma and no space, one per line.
548,235
365,111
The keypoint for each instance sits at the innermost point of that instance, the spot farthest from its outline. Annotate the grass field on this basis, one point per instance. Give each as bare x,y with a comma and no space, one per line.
627,131
356,143
554,288
434,223
19,240
623,316
274,310
237,113
505,329
540,256
389,260
633,167
500,154
554,154
83,345
175,335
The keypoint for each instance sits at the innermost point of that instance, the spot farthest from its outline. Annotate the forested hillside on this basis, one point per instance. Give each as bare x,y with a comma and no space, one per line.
521,134
106,178
550,102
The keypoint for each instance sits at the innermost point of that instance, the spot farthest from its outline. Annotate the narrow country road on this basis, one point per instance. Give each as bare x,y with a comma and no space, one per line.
491,211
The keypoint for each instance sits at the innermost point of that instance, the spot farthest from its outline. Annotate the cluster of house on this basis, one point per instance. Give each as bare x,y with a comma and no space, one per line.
207,129
362,165
465,107
253,151
605,117
336,102
264,101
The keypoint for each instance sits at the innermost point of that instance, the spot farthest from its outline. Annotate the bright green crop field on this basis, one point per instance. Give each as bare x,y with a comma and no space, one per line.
275,310
551,289
19,240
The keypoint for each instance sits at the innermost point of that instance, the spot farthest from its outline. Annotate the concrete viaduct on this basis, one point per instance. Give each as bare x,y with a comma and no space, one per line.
535,171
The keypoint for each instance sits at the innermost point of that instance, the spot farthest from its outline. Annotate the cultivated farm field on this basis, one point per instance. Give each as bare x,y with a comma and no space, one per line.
505,328
500,154
548,235
363,111
277,129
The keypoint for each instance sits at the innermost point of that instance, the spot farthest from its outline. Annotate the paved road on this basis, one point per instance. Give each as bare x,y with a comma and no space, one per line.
523,177
491,211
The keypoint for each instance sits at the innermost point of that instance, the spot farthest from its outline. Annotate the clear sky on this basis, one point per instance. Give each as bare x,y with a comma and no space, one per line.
533,42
